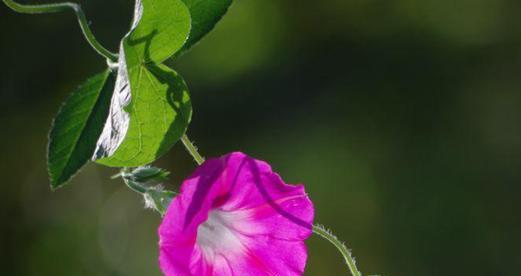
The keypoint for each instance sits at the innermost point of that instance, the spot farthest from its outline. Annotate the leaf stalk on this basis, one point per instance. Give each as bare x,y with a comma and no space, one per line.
192,149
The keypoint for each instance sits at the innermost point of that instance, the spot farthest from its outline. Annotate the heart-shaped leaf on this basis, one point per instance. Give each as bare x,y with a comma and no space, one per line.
150,108
76,128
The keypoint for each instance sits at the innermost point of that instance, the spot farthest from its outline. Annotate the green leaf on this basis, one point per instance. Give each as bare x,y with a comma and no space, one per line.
205,14
159,30
150,108
159,113
76,128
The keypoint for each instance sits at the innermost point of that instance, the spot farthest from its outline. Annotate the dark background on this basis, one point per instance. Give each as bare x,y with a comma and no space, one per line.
403,119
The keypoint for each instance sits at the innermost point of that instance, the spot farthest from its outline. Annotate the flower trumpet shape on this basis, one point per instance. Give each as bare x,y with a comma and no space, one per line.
235,216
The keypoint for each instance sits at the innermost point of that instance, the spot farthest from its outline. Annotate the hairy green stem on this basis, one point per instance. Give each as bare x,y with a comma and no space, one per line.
350,261
59,7
192,150
317,229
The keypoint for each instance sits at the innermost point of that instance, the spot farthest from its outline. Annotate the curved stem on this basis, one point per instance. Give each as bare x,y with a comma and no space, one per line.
59,7
350,261
192,150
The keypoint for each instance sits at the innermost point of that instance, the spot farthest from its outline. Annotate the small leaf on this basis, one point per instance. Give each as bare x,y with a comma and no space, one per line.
205,14
76,128
159,112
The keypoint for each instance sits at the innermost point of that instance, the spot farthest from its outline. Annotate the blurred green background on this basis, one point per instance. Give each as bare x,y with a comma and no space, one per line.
403,119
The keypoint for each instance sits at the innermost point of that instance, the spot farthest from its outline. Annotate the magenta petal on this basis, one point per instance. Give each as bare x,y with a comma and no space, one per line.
235,216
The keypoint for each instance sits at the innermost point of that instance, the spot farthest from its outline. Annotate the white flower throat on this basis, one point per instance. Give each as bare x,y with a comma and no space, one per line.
217,236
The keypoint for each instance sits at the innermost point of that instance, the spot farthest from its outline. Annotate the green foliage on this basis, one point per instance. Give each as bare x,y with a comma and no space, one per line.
77,127
150,108
205,14
160,108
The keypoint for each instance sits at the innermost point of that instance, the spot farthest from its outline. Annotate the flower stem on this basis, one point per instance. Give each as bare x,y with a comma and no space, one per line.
190,147
59,7
349,259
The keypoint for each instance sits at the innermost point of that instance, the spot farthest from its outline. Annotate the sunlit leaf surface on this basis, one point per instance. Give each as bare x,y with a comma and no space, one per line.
151,107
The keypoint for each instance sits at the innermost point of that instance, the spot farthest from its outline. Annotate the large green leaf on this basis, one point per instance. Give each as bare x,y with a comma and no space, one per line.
150,108
205,14
159,113
76,128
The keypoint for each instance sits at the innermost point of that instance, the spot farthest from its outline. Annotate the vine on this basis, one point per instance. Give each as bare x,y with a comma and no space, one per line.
109,133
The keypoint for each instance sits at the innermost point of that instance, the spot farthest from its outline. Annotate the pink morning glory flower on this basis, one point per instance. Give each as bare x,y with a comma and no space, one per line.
235,216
